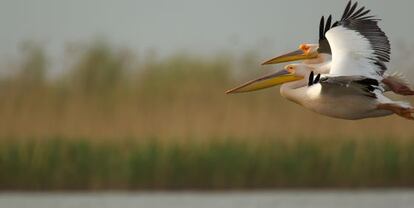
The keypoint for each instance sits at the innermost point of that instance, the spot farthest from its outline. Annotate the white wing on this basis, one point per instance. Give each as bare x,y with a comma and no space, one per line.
359,47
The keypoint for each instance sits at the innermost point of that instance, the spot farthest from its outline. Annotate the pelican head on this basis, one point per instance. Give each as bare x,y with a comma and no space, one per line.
290,73
305,51
299,70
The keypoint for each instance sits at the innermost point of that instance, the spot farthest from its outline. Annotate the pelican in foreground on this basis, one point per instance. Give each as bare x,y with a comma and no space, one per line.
319,56
352,88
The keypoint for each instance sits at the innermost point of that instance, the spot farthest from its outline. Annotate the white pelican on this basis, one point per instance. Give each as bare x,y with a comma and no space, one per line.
319,56
351,91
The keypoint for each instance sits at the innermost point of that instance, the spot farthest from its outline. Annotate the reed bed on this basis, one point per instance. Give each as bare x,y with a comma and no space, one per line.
112,93
61,164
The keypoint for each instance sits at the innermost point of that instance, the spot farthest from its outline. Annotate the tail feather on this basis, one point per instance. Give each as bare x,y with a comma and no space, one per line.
398,77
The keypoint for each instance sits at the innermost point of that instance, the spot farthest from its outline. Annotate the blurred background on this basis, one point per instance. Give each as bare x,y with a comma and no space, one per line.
129,95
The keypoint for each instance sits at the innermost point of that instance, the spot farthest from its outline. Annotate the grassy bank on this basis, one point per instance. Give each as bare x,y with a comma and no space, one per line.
68,164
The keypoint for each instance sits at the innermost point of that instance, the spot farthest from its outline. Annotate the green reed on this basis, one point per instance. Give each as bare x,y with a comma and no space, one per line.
68,164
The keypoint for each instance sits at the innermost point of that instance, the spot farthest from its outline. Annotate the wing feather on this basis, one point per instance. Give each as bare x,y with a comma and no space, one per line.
349,85
323,28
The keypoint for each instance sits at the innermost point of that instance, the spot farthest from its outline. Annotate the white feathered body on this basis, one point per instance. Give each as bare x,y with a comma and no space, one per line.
349,107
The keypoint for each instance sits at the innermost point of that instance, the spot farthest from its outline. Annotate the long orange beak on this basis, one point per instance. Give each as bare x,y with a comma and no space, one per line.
292,56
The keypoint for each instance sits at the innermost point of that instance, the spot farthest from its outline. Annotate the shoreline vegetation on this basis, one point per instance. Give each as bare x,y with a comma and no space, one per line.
114,120
77,164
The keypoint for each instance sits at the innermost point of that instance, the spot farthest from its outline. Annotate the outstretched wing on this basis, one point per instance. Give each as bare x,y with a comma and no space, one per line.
359,46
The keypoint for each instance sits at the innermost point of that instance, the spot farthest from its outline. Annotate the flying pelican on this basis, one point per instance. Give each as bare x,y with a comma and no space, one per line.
351,90
319,56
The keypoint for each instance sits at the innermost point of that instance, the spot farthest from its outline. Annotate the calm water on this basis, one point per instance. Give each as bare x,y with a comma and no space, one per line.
288,199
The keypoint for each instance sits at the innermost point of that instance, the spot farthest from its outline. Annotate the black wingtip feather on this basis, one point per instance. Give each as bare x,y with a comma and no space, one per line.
358,12
321,28
310,81
347,8
351,11
318,77
362,14
328,24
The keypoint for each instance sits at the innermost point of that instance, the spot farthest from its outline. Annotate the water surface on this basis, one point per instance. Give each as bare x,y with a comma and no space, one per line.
288,199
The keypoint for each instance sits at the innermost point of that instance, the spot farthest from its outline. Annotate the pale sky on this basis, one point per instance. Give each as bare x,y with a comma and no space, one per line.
202,27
